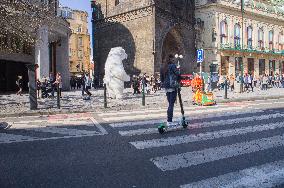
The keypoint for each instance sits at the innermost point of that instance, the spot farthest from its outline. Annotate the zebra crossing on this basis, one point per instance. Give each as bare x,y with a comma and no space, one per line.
51,128
206,125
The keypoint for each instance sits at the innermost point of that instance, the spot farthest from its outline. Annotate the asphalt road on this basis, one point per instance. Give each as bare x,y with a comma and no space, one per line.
228,145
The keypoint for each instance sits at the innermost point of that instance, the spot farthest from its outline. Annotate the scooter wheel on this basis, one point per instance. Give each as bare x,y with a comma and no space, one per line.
184,125
161,130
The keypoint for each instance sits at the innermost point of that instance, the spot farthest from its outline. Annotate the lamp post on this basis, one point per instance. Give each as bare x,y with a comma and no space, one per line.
242,47
178,57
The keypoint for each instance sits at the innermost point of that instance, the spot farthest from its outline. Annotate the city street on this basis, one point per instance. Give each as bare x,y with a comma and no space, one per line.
237,144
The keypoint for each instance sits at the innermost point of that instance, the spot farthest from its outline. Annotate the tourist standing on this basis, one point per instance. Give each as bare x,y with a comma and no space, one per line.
51,81
58,82
232,82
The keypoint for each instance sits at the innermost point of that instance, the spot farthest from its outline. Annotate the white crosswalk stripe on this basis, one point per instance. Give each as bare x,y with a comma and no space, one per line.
267,175
132,117
190,117
183,160
205,124
170,141
134,125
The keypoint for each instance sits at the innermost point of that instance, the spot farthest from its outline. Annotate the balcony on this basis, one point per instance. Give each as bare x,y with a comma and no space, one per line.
249,49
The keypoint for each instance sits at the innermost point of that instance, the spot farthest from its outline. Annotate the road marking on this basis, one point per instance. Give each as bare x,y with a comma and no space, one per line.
64,131
4,138
158,121
147,111
173,162
204,124
99,126
159,115
176,113
170,141
267,175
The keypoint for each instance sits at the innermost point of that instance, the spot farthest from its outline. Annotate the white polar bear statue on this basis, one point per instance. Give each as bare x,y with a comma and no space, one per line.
115,75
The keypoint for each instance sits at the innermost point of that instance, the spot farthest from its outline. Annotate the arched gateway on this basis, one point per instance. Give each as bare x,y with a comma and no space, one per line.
157,27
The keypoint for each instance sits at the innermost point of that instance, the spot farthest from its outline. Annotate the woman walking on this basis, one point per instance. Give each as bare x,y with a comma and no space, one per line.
59,82
169,78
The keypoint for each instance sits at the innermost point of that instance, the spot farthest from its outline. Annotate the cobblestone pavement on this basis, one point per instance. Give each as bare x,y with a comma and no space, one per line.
72,101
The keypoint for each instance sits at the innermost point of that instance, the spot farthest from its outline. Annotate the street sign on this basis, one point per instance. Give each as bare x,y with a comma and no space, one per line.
200,55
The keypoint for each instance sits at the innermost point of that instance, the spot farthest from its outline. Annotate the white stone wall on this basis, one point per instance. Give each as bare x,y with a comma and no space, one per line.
42,52
62,62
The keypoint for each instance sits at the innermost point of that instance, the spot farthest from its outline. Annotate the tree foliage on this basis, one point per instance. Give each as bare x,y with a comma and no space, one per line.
22,18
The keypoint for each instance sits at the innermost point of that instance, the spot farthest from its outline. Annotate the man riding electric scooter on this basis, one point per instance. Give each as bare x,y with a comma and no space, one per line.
170,77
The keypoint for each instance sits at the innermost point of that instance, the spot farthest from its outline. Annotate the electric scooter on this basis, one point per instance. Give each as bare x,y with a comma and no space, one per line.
163,126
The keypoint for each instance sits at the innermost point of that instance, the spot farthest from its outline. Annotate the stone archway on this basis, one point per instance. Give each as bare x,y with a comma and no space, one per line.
172,44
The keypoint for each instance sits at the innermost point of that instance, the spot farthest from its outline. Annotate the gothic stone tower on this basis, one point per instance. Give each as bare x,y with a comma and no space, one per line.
149,30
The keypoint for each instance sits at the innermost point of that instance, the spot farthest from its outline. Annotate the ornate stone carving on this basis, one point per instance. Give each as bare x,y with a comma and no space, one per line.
132,15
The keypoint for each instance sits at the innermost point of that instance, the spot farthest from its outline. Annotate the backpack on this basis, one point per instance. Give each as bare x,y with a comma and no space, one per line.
173,79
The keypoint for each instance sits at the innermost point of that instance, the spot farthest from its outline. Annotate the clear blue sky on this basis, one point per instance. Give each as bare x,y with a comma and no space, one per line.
84,5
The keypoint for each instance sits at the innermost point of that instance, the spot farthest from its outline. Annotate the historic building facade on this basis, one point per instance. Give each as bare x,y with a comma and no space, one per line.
79,43
149,30
254,43
49,50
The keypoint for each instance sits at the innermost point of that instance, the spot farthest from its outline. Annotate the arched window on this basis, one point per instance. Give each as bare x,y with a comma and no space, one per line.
237,35
270,38
116,2
260,38
249,37
280,41
223,32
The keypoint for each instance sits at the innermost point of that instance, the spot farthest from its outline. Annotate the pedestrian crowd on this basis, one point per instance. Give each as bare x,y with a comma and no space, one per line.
148,83
250,82
46,87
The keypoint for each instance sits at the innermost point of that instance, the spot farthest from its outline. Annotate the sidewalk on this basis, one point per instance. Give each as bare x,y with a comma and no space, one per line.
72,101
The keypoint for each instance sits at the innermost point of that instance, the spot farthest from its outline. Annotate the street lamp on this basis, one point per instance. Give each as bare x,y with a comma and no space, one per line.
242,63
177,56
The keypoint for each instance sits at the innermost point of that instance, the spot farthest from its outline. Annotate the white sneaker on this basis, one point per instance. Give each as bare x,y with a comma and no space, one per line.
171,124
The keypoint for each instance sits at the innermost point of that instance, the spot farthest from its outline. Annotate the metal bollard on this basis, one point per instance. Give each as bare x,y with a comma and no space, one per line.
143,94
226,89
58,97
105,96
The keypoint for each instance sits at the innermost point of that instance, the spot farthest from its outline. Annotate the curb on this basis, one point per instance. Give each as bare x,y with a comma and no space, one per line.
38,113
248,99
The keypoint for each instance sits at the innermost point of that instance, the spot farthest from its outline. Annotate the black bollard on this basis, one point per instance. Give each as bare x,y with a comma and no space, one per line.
58,96
32,86
105,96
143,93
226,89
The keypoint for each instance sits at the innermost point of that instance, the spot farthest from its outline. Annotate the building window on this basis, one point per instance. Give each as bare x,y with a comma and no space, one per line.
82,18
261,67
237,36
116,2
238,66
249,38
260,39
272,67
80,54
280,41
224,32
80,41
270,37
70,52
79,29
